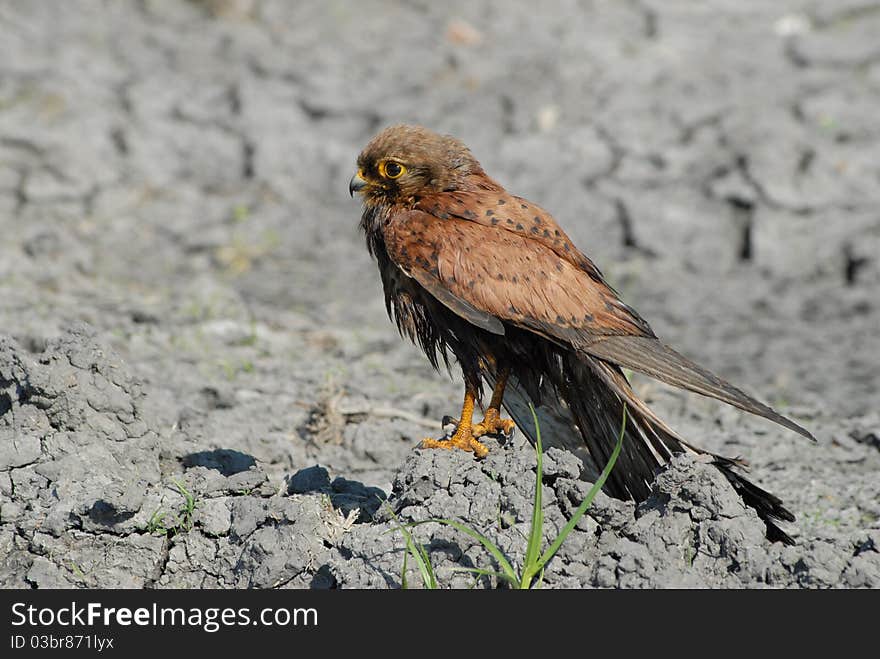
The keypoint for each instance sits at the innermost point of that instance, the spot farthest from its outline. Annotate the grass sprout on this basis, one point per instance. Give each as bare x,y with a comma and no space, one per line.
535,561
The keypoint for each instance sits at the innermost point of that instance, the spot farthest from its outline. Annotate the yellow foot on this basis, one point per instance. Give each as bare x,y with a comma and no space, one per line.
462,439
493,424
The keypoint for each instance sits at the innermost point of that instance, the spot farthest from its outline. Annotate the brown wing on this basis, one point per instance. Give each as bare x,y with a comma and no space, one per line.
493,275
498,208
506,276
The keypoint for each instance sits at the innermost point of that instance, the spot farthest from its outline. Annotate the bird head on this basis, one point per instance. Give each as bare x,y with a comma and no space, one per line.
403,163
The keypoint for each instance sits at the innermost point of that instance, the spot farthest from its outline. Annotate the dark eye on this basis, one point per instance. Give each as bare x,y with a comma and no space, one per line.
391,169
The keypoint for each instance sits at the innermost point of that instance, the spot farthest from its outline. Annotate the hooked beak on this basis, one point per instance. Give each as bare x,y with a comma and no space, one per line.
356,184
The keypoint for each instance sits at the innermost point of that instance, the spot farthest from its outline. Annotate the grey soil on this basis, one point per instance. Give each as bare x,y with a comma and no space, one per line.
198,383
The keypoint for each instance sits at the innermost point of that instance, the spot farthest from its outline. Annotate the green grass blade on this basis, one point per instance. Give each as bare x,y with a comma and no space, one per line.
540,581
536,533
423,561
403,582
425,567
505,565
557,543
419,554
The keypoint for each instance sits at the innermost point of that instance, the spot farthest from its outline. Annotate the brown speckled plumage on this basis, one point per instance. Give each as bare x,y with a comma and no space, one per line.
491,278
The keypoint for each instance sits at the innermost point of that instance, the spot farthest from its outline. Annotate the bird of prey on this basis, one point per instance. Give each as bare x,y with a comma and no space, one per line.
470,269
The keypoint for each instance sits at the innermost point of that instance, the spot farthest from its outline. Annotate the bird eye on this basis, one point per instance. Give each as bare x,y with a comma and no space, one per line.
391,169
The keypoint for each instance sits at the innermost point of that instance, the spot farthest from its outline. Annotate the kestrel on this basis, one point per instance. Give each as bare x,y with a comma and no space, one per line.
470,269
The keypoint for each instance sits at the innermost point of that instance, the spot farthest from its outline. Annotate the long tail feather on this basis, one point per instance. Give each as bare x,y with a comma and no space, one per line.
651,357
768,506
581,407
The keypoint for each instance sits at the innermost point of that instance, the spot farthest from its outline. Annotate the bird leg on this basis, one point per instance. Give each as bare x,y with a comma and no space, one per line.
463,438
492,423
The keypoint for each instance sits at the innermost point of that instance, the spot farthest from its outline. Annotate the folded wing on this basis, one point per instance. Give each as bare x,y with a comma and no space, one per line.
491,276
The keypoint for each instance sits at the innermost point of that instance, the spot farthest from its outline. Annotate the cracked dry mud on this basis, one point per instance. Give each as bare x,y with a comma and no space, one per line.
199,388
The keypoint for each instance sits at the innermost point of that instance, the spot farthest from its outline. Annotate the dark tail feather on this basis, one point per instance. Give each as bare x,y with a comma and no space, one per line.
598,412
584,408
651,357
554,417
768,506
578,408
